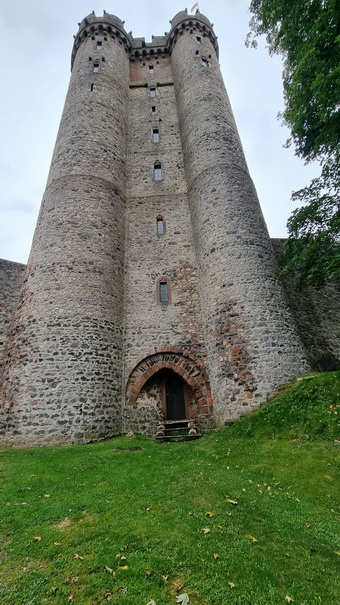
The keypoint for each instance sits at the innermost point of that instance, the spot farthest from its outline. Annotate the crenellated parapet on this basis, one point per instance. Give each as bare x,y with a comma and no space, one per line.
198,23
107,26
139,50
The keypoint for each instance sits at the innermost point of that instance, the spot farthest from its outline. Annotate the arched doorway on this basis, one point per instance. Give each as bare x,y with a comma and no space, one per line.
175,398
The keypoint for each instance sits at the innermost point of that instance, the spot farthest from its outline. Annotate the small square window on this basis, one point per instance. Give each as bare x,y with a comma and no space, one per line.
205,62
95,67
153,110
155,135
158,172
151,69
99,45
198,39
152,92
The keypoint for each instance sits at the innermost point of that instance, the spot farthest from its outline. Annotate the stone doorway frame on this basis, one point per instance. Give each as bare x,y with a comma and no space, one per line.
190,370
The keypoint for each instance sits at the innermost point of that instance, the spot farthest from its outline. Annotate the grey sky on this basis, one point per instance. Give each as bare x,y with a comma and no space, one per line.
37,38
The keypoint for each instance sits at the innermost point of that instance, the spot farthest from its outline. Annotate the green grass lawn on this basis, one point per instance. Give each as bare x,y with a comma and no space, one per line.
245,516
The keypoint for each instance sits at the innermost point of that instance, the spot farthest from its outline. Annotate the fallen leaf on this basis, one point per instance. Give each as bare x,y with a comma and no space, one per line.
308,525
216,555
122,589
71,597
152,602
74,580
57,543
177,584
123,558
46,495
78,557
147,572
231,501
252,539
108,569
183,598
231,584
123,567
288,599
209,514
36,539
165,578
206,530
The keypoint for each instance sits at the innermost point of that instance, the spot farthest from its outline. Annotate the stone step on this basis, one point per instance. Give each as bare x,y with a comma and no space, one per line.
176,430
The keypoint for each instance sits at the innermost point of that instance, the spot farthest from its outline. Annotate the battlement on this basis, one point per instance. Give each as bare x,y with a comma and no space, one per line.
184,16
139,43
184,22
106,25
110,25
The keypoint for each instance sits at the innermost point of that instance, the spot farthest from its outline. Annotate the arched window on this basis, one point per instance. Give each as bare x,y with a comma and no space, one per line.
157,171
155,135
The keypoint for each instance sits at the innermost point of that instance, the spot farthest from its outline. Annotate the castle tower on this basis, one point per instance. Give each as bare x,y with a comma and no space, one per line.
64,373
252,344
151,289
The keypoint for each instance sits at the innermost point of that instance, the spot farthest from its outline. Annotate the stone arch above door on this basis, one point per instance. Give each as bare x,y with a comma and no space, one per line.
190,370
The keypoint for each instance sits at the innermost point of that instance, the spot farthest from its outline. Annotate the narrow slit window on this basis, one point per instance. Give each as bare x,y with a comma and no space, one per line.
151,69
99,45
163,291
91,87
155,135
198,39
160,226
205,62
153,110
95,67
158,172
152,91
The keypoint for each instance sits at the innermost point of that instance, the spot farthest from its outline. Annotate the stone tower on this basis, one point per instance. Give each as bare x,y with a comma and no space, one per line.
151,288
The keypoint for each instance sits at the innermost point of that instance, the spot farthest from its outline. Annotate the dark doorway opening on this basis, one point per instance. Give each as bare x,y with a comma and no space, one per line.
175,402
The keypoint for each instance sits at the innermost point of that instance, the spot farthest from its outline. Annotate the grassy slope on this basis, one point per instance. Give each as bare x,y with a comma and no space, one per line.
146,509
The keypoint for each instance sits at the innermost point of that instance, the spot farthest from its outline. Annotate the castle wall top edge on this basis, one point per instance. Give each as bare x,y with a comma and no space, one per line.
92,20
184,16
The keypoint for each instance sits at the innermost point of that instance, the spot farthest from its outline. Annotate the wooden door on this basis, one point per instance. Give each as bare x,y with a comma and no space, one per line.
175,404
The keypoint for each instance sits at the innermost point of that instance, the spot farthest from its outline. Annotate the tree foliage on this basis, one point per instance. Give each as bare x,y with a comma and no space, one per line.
307,35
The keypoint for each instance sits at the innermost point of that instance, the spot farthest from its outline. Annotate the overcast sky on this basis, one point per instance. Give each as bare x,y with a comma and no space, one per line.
37,38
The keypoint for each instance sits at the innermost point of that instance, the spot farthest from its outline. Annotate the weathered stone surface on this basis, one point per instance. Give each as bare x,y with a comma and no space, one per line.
90,345
11,278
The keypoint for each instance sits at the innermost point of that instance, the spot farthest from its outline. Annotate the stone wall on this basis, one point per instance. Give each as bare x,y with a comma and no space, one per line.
11,278
317,316
149,256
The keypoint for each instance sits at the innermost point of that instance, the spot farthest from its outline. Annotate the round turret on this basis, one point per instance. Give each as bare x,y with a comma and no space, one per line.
65,372
252,345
